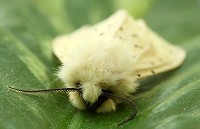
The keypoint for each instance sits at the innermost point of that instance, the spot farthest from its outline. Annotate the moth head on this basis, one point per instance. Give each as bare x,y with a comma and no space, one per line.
95,79
96,85
88,81
94,67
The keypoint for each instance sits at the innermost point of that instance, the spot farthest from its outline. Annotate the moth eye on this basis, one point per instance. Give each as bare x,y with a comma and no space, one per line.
107,91
77,83
104,87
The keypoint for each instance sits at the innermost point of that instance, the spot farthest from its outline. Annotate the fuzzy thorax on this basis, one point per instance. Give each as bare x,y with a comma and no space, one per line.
99,64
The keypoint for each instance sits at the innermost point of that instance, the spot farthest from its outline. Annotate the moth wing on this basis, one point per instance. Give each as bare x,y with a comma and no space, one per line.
160,57
152,53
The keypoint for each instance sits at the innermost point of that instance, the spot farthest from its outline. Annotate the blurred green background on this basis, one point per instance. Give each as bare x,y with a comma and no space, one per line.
27,27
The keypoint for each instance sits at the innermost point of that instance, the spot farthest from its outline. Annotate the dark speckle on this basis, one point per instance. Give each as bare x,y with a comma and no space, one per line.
101,34
139,75
134,35
140,47
160,59
152,63
121,29
152,71
137,46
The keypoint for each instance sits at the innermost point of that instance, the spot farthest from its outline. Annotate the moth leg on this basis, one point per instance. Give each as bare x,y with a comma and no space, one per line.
107,106
77,101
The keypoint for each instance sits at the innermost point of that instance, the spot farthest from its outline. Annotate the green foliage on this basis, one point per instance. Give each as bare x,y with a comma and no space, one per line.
27,27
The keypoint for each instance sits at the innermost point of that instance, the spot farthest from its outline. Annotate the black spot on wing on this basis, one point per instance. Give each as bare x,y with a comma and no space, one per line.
153,72
120,37
160,59
101,34
151,63
138,46
134,35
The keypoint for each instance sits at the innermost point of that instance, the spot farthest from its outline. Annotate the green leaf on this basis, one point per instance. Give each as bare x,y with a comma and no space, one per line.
27,27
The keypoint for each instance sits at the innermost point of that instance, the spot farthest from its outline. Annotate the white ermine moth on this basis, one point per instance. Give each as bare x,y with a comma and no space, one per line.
101,63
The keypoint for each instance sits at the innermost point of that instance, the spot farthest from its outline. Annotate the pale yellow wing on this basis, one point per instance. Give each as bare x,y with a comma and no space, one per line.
153,54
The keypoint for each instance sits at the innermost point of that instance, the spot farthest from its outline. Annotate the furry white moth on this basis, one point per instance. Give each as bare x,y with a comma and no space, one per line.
112,55
101,63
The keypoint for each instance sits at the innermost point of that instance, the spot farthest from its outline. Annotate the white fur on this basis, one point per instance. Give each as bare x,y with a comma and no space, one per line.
99,64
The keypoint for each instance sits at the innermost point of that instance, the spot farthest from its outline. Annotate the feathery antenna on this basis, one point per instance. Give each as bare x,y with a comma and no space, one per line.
45,91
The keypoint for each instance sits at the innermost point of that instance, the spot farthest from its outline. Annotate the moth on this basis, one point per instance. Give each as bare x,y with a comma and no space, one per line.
101,63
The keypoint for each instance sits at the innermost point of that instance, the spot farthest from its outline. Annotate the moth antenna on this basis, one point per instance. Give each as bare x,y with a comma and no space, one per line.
133,106
45,91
